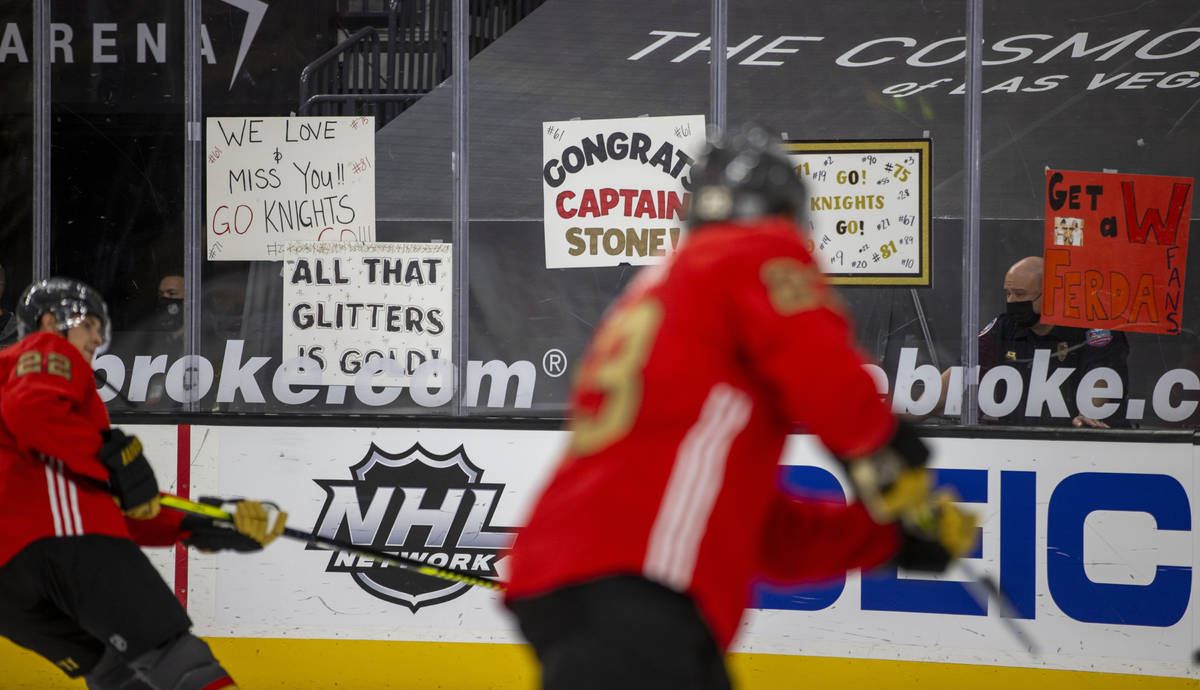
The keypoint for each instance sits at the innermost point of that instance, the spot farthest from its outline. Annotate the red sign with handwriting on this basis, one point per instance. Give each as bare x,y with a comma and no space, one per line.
1116,249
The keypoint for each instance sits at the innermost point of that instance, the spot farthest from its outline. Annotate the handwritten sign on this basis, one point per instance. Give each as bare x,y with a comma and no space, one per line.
1115,250
345,304
275,180
616,191
869,209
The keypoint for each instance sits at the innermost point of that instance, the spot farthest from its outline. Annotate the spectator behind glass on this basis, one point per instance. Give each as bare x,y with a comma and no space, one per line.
168,310
157,333
166,336
1014,337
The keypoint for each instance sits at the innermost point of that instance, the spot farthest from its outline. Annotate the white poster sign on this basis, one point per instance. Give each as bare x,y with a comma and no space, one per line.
869,208
615,191
384,305
274,180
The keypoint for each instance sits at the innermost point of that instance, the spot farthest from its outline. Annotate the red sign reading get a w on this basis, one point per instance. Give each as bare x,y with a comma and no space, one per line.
1115,250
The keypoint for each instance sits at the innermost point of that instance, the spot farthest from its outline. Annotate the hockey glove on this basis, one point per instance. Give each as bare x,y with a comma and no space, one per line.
130,477
251,530
935,534
893,479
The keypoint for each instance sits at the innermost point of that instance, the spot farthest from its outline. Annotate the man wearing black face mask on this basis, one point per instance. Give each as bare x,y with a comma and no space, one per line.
166,336
168,312
1014,338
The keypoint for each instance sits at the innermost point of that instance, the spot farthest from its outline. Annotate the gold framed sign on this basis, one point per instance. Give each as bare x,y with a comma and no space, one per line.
869,206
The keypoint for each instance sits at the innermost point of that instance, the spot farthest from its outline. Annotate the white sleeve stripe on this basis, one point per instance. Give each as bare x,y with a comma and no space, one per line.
64,502
693,501
737,414
75,512
691,498
698,476
693,488
58,530
665,536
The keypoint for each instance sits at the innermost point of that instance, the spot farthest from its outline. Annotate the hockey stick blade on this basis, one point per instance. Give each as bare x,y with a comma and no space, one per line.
982,588
411,564
186,506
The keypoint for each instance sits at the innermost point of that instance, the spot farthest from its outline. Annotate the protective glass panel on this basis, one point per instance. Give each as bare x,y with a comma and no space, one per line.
16,156
584,119
116,180
289,193
266,182
1089,141
868,97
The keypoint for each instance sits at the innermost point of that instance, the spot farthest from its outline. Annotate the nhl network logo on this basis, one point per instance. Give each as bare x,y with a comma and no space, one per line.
420,505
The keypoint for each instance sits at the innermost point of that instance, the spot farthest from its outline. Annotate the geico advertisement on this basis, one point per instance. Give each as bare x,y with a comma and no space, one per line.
1092,542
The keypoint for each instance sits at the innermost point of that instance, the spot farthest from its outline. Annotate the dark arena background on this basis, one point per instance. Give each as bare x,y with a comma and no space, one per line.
407,303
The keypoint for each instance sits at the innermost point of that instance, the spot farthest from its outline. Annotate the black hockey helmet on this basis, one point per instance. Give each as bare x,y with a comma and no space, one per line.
743,176
70,301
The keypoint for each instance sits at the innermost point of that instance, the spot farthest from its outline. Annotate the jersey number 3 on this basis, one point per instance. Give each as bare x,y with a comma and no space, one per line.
614,369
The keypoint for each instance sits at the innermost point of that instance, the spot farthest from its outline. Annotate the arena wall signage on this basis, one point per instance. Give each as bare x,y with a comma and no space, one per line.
262,380
1000,391
1092,547
297,380
1140,48
422,506
132,51
1064,532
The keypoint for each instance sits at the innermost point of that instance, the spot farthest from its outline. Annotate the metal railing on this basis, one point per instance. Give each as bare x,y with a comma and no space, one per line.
382,72
337,82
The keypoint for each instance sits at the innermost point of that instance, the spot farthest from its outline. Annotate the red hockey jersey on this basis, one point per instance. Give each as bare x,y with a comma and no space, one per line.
688,390
51,482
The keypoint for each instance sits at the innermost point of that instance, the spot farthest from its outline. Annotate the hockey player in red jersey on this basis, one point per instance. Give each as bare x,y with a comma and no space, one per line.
77,495
637,561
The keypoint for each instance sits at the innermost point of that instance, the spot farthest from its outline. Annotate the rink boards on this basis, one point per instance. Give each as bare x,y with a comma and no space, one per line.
1094,542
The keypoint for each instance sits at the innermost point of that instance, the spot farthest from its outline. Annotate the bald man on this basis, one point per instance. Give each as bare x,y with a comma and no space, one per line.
1038,351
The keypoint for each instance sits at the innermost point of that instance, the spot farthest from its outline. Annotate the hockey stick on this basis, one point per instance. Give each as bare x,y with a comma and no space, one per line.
411,564
186,506
102,380
982,587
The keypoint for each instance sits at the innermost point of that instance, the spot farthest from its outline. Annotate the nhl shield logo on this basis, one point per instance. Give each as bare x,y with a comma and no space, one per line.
419,505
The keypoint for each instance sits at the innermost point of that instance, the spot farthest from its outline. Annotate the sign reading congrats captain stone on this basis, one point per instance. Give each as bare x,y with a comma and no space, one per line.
275,180
348,305
615,191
